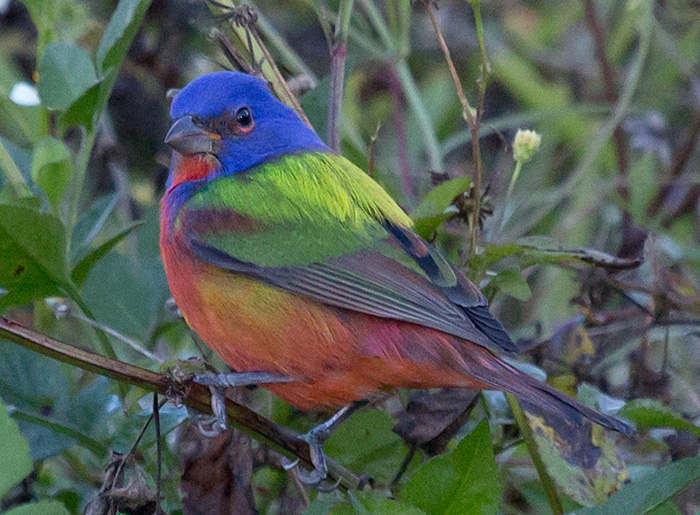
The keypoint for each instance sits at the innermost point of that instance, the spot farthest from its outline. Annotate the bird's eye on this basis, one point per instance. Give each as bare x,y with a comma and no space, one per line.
244,119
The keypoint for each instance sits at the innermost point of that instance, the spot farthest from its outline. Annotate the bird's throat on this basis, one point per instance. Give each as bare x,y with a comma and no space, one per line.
191,168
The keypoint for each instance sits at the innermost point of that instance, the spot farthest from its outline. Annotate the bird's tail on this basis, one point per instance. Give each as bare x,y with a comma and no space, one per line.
499,375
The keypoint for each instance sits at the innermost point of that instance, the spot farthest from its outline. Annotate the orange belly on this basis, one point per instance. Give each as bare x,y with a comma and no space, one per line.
336,356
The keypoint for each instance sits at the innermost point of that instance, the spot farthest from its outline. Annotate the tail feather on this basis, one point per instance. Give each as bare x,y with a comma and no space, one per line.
550,399
502,376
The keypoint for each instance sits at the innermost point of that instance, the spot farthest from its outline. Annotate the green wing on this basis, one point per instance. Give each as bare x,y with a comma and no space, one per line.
317,226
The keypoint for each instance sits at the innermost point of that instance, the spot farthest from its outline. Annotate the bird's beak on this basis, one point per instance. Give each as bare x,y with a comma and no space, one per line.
187,138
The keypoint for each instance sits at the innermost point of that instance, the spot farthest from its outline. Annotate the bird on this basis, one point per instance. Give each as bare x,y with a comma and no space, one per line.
298,269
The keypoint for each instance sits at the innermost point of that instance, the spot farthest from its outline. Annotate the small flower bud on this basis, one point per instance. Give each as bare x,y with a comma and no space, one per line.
525,145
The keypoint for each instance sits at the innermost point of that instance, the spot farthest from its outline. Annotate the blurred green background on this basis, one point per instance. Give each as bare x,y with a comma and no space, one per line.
612,86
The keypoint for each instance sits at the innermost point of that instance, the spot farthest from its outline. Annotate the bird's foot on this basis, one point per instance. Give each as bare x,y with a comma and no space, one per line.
316,437
217,384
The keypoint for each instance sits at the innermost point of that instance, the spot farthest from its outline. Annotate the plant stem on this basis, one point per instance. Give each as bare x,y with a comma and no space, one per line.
338,55
645,30
375,16
467,113
513,179
509,193
295,63
547,483
88,141
471,117
476,149
12,173
194,395
277,79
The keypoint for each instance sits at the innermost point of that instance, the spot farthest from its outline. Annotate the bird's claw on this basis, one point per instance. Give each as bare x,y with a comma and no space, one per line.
208,425
316,477
288,464
216,427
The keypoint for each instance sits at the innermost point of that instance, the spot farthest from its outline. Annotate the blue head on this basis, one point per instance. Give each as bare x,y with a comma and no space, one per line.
236,118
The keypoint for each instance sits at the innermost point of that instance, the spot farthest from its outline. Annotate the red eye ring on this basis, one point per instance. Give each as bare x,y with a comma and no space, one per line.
244,120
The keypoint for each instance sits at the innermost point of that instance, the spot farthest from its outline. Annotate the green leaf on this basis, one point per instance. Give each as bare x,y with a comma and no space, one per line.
83,267
645,494
580,459
42,507
509,281
426,227
373,503
493,253
84,109
65,73
123,295
463,481
52,168
650,413
440,198
16,463
323,503
433,210
33,248
382,451
51,414
120,30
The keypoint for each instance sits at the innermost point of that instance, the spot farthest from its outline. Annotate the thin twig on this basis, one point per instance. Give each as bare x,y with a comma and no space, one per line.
135,445
279,80
159,450
680,160
471,116
194,395
338,55
611,95
390,49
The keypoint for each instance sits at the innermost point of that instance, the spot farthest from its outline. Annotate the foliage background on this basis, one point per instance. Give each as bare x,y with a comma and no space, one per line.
612,86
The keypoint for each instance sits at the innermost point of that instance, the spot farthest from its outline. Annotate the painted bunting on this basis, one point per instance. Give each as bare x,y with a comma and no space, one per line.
289,260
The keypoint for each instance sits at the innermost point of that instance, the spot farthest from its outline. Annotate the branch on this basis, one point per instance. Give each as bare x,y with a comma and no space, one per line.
194,395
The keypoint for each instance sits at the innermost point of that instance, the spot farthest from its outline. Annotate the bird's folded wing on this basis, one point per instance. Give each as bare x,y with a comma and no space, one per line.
395,274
